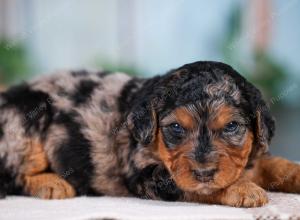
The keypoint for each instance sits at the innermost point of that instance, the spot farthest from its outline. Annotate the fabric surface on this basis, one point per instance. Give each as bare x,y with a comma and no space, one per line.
281,206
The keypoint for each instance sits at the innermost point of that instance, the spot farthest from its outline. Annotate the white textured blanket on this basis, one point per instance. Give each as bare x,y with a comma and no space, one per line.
281,206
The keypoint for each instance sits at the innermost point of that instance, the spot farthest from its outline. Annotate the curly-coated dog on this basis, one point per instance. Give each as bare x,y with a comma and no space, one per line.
199,133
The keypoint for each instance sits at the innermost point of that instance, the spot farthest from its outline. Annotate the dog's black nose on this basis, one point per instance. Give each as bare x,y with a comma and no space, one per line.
204,175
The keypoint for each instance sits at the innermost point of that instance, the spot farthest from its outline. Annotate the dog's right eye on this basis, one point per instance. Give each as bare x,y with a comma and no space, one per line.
173,134
176,129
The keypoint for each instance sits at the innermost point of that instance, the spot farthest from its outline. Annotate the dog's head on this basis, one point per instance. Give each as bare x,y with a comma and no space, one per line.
204,121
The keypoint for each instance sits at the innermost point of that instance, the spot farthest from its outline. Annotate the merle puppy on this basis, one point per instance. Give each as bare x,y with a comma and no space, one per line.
199,133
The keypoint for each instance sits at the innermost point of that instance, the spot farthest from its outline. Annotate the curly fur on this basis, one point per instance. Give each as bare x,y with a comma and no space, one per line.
103,133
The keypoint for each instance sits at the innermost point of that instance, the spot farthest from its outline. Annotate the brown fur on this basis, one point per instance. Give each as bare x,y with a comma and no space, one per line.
177,164
184,118
48,186
231,160
35,160
220,117
37,182
243,193
275,174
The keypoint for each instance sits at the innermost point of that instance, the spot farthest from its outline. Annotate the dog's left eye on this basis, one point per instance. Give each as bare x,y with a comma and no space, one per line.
231,127
176,129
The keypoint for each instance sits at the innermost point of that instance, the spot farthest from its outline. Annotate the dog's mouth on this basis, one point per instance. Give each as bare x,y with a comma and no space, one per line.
200,180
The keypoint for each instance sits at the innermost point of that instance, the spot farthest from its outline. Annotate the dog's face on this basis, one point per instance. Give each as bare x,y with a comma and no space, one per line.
204,148
203,121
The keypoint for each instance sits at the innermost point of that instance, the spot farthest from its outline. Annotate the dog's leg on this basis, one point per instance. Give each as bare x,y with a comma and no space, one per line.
154,182
275,174
48,186
37,182
243,193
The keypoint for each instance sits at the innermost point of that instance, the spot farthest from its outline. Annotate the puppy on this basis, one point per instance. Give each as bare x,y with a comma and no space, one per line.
199,133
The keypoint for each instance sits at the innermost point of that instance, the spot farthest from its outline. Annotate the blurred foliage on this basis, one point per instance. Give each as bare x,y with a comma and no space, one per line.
268,74
262,69
14,63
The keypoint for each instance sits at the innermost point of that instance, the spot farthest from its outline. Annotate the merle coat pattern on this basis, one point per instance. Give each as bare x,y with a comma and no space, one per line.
199,133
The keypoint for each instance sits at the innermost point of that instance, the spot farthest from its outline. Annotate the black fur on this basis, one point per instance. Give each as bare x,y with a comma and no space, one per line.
161,94
204,145
75,154
7,180
83,92
153,180
128,94
1,131
136,103
35,107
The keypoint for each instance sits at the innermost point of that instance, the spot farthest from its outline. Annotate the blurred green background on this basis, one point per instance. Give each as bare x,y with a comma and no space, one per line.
260,38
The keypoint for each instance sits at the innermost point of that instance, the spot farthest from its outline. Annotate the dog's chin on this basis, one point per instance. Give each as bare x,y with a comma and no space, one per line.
206,185
204,188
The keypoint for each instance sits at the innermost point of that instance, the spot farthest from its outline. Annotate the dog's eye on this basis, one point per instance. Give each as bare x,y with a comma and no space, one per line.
231,127
176,129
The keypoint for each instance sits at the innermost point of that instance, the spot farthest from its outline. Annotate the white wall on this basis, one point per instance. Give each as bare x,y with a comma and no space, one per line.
70,34
153,35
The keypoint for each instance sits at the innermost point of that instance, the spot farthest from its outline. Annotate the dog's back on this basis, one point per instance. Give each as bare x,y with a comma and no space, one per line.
57,123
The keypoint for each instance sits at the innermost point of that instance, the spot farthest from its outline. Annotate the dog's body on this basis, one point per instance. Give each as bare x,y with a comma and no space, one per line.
199,133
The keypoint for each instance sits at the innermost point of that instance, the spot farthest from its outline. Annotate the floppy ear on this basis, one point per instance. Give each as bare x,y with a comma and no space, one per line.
142,122
264,129
262,122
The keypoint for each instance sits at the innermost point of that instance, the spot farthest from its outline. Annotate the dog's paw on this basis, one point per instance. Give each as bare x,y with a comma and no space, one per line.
245,194
48,186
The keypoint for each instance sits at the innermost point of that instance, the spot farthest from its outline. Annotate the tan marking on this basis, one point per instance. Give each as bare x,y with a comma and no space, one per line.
275,174
35,160
37,183
232,161
185,118
163,151
48,186
177,163
242,193
222,117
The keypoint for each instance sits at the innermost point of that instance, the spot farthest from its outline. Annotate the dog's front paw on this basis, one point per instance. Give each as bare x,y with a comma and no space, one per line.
48,186
245,194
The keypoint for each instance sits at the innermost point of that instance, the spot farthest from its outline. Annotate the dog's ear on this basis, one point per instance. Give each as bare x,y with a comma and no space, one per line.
142,122
263,123
265,127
